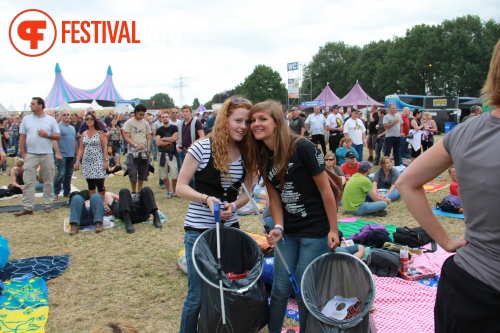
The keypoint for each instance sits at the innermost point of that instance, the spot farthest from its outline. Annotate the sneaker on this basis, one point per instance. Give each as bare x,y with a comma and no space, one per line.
370,159
111,175
74,177
174,194
134,195
169,195
162,186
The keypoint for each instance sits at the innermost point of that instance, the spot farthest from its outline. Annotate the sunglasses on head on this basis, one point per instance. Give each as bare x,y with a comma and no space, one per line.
238,101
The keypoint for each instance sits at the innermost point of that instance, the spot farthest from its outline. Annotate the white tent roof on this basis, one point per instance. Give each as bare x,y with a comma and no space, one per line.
12,108
122,108
64,106
95,105
3,108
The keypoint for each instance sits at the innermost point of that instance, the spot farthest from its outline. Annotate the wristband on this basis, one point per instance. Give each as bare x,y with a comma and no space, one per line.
1,149
233,204
77,161
206,199
136,145
279,226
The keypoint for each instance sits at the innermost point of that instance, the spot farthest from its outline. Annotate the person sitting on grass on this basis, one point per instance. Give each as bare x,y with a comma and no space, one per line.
454,184
350,167
113,160
357,189
345,146
385,178
16,177
331,164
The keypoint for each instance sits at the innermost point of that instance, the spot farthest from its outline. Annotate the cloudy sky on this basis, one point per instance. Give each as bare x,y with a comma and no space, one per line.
214,45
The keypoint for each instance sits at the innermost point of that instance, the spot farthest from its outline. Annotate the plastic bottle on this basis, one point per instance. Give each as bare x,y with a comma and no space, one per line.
403,259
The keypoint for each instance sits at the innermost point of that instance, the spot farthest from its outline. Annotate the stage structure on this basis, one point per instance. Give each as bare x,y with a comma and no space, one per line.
299,89
105,94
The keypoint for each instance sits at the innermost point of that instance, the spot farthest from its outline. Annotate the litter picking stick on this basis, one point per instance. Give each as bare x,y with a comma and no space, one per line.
219,265
291,275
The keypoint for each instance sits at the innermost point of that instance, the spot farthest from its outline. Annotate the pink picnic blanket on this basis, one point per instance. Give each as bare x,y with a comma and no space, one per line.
407,306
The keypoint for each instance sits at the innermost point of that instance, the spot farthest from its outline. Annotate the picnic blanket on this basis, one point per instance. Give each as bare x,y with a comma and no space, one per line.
16,208
350,228
37,194
432,187
24,305
439,212
407,306
110,221
47,267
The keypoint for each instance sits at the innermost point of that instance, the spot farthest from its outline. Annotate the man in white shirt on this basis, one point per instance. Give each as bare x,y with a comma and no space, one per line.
315,124
354,128
392,125
335,124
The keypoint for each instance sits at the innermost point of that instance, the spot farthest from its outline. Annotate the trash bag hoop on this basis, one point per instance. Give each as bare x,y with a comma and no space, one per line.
240,290
342,324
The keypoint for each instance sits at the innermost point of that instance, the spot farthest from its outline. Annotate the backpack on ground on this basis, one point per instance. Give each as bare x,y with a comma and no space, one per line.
383,262
451,204
414,237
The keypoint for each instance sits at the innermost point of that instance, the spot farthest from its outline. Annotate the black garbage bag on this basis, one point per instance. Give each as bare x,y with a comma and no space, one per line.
245,298
338,274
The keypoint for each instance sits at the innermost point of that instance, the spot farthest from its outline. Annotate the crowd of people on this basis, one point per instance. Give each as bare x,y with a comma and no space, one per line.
206,160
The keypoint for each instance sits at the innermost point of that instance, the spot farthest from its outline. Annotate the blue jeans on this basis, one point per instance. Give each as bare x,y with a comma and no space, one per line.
404,151
359,150
180,161
369,207
64,174
15,143
392,143
82,215
192,304
298,253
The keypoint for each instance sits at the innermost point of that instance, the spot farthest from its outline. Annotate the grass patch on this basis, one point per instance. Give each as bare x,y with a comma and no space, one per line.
114,275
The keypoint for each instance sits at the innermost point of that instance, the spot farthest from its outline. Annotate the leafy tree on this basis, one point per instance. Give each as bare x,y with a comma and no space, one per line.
162,101
264,83
196,104
332,64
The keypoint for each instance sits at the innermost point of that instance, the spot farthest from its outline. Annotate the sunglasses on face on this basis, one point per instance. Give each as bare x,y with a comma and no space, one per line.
175,112
350,158
89,119
238,101
65,114
329,159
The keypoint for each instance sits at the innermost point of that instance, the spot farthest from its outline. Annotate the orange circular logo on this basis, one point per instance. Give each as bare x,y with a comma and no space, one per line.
32,32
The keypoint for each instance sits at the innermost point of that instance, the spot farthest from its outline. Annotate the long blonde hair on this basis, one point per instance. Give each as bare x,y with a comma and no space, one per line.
259,154
491,88
220,134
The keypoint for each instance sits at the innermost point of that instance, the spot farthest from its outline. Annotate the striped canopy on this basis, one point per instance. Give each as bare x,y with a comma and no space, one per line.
62,91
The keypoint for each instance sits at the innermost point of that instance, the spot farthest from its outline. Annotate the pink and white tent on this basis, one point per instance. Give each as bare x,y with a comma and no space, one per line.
62,91
357,97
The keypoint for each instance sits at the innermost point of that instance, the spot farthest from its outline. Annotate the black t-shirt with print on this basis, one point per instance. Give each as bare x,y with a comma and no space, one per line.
166,132
303,209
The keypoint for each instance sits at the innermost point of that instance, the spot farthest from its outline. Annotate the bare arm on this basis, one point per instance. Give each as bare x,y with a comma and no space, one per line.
410,185
56,149
13,179
183,189
276,210
22,145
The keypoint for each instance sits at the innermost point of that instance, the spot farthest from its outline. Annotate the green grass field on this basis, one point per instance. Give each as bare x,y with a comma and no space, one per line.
117,276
